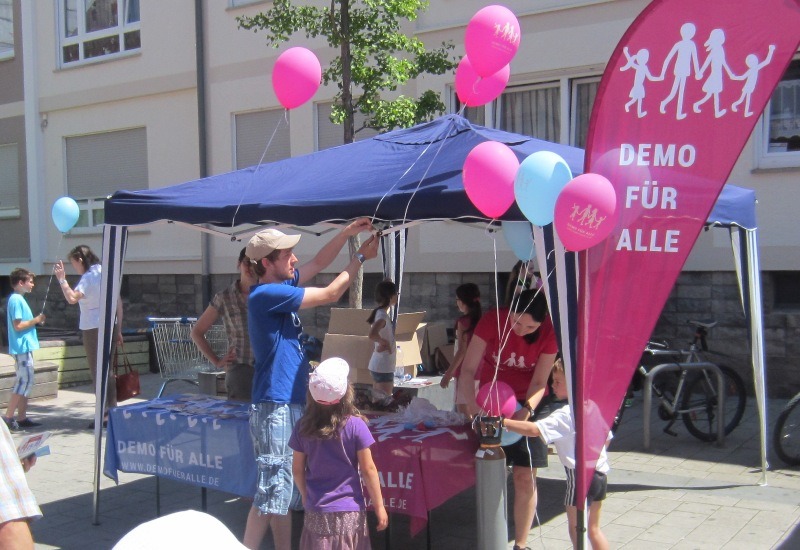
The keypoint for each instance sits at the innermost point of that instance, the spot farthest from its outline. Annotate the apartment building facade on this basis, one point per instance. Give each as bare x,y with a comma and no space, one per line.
101,95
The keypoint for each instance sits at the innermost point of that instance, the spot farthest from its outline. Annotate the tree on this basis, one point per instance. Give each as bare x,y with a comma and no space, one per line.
374,56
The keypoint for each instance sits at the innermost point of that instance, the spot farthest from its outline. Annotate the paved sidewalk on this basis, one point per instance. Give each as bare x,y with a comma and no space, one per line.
682,494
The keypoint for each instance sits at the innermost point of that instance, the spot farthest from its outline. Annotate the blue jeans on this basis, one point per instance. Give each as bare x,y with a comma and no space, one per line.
271,425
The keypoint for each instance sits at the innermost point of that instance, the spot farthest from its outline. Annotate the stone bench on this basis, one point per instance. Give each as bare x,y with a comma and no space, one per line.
61,363
45,380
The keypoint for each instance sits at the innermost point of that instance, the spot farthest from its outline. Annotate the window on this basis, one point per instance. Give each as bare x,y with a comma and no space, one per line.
787,289
100,164
9,181
476,115
98,28
557,111
531,110
237,3
781,123
583,94
6,29
263,134
331,135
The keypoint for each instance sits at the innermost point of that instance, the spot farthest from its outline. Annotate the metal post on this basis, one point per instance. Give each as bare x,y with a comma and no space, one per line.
490,484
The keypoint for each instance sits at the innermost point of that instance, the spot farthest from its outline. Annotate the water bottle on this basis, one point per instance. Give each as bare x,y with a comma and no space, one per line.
399,369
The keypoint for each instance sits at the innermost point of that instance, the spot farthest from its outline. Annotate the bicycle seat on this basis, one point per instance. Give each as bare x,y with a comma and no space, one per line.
710,323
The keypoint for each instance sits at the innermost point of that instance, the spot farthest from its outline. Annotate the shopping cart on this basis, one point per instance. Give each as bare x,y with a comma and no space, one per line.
178,356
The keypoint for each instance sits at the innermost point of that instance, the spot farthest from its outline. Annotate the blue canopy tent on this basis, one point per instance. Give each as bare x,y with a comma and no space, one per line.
401,177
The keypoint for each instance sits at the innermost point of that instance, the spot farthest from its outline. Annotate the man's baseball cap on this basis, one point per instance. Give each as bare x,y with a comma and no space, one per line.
264,242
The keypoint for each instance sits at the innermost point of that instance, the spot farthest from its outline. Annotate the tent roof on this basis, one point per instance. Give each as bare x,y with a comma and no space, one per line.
734,206
409,174
404,175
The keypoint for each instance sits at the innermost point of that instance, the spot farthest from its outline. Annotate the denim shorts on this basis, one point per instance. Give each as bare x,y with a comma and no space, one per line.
271,425
23,363
381,377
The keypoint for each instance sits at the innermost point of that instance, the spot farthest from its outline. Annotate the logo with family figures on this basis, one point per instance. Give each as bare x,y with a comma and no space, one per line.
685,62
512,362
586,217
507,32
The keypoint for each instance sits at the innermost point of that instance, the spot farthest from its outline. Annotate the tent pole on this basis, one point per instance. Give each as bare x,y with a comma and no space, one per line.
113,255
757,343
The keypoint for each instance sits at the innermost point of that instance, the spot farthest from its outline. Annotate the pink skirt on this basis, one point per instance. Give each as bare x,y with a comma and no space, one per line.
335,531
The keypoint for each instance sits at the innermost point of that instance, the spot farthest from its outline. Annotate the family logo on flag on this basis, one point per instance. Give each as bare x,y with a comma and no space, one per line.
685,63
693,78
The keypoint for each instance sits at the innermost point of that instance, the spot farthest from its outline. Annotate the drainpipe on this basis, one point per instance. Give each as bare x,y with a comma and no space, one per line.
202,130
34,130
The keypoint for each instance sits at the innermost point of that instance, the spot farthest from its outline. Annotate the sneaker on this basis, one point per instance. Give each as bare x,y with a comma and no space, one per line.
28,423
12,425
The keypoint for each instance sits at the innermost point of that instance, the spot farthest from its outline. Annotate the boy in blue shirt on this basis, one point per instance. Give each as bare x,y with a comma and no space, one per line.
22,341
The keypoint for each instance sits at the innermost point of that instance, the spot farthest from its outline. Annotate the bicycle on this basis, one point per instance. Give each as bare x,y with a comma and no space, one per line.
688,394
785,438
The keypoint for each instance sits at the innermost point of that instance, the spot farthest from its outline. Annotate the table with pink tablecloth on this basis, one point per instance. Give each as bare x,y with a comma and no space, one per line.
421,468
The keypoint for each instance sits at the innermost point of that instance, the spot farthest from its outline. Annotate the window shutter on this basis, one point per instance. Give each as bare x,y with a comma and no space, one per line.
100,164
9,176
252,134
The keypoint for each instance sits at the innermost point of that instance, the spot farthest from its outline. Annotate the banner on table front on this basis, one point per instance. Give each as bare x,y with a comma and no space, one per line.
678,100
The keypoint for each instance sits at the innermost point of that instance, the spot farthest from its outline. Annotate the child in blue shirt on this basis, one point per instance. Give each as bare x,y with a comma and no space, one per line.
22,341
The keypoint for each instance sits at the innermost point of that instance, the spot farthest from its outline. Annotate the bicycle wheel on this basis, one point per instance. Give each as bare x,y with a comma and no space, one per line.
786,436
699,406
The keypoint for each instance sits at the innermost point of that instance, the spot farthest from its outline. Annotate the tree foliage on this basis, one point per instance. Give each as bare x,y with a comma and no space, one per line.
375,56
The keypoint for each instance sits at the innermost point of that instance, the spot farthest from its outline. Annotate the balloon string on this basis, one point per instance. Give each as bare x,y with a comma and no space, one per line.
508,325
425,175
260,162
419,183
52,272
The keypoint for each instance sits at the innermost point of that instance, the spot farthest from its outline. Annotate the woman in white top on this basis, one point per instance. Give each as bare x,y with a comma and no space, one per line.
87,295
383,360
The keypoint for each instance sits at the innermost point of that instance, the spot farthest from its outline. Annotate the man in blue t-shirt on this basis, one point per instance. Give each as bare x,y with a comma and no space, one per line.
281,377
22,341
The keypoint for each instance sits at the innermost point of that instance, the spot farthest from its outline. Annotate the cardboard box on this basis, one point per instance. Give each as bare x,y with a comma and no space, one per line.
444,356
435,336
212,383
348,338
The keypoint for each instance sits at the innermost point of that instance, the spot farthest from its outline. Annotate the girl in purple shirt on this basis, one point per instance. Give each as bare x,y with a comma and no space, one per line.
331,444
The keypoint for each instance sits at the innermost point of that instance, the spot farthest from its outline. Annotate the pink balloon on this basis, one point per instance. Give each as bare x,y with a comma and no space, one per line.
296,76
488,175
491,39
586,211
496,399
474,91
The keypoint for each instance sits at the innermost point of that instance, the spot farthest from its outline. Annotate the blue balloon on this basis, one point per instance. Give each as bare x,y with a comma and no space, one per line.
519,237
541,177
65,213
508,437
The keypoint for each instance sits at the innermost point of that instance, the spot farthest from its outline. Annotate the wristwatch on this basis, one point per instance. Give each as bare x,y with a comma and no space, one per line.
530,409
360,257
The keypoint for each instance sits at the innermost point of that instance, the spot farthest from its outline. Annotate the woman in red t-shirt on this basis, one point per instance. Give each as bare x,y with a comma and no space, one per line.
519,347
